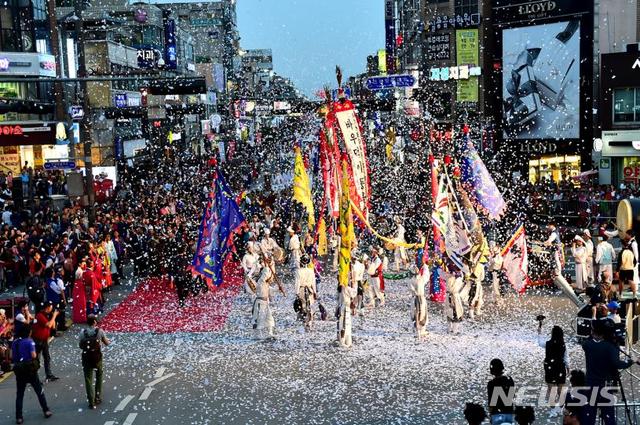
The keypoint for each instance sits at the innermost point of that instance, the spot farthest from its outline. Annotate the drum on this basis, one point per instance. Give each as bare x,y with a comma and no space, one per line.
628,216
278,255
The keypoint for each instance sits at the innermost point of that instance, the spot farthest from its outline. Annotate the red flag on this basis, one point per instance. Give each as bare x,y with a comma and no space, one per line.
515,260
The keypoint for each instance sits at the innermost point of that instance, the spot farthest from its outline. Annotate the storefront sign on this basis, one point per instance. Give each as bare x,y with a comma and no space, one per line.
543,6
27,64
146,58
28,133
10,161
134,100
462,72
444,22
467,52
605,164
538,146
527,10
120,100
76,112
619,143
170,45
60,165
438,47
390,81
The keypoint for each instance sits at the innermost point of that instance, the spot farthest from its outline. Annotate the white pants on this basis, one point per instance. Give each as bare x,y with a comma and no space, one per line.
374,292
400,257
495,286
344,326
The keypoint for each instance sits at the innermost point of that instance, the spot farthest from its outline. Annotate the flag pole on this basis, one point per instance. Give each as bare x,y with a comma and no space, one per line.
439,295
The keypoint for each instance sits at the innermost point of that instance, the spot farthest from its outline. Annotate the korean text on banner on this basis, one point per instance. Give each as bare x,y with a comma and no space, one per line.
354,143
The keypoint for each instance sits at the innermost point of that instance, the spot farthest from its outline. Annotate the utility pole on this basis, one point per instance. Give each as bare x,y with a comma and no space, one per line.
85,134
55,51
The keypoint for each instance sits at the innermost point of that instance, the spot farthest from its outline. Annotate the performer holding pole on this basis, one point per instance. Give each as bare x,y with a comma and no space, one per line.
419,313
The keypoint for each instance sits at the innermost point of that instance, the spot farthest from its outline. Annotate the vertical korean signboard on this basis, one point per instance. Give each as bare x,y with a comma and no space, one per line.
467,53
171,46
390,35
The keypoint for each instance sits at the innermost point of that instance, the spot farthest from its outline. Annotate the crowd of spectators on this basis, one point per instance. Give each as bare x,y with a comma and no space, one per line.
152,217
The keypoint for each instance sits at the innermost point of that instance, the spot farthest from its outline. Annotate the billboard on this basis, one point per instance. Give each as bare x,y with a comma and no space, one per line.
541,81
467,53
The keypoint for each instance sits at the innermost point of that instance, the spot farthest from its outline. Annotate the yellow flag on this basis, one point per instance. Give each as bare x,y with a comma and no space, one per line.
347,233
301,186
322,238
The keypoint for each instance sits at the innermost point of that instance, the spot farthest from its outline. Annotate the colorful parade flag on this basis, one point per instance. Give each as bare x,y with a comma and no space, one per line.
358,167
441,213
302,187
515,260
330,171
478,183
438,289
322,238
347,233
221,218
456,241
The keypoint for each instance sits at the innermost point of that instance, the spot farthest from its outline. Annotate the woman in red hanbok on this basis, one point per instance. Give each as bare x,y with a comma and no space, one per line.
79,314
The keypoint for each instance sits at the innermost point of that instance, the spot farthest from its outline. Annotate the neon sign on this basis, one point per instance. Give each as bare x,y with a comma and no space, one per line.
9,130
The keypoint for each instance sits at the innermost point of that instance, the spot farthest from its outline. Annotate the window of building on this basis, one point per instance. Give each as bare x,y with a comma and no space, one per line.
8,34
39,10
626,105
468,7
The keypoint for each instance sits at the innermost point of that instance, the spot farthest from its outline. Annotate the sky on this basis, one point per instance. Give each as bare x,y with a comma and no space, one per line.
310,37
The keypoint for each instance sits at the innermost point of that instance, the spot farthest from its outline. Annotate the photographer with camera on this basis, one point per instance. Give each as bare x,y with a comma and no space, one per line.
602,357
43,329
556,365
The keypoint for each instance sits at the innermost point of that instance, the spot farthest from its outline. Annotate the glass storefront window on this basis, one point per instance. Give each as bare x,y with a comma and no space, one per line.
556,168
630,171
11,91
626,104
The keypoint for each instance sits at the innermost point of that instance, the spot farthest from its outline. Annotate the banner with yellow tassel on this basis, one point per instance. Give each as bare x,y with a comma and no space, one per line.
347,233
322,238
301,186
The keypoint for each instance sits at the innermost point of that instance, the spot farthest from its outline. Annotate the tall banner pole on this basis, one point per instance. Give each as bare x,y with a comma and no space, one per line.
438,290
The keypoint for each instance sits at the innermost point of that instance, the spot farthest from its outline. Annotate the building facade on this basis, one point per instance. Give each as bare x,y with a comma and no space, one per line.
620,99
27,129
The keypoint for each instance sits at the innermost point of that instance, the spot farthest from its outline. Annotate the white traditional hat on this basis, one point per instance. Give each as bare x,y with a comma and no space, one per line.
578,238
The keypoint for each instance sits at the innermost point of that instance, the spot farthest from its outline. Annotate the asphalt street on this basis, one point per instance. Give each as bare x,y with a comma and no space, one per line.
302,377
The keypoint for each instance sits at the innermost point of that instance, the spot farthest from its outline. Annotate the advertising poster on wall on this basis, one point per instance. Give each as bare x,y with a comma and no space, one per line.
467,53
541,81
